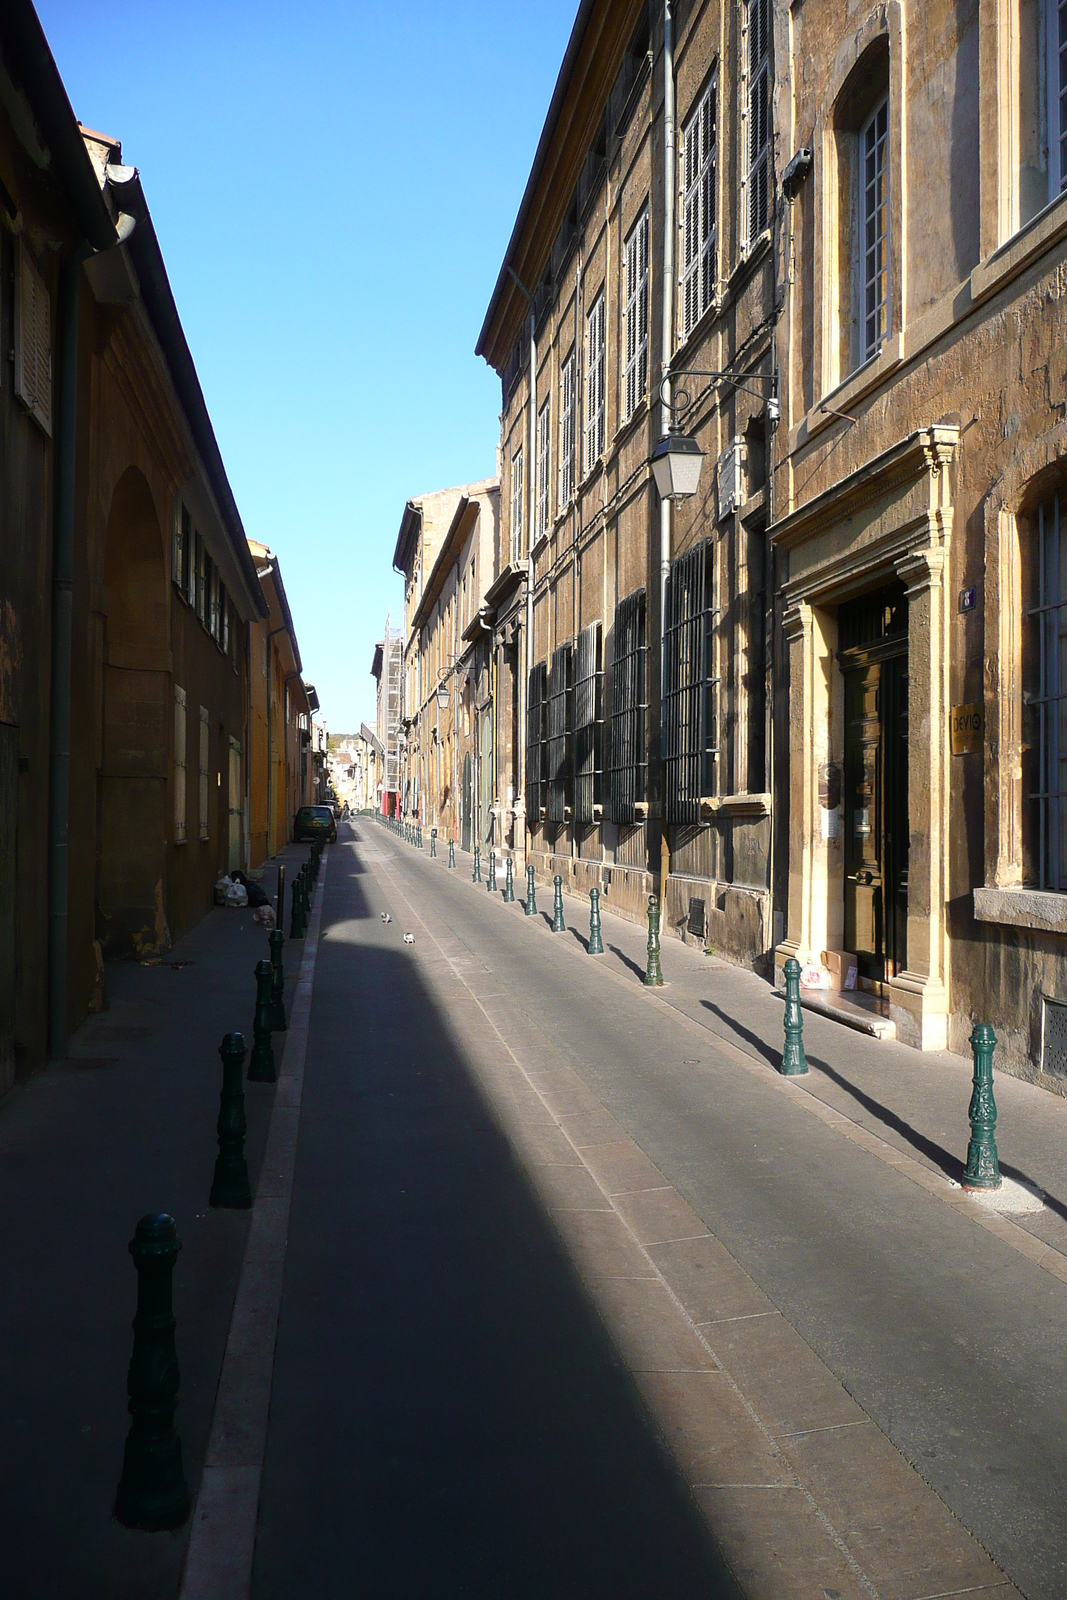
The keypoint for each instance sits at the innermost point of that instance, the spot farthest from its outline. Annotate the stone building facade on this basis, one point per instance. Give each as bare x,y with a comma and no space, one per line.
447,551
920,475
637,288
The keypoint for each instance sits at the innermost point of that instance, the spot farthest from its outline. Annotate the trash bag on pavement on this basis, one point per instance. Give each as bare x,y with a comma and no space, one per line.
256,896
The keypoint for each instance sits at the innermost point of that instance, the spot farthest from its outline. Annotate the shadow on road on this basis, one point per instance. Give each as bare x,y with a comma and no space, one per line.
765,1050
634,966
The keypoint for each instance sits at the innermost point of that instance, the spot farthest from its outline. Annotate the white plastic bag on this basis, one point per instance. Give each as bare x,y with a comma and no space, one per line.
237,895
222,888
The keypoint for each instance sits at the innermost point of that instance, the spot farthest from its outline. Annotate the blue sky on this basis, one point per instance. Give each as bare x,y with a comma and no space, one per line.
333,187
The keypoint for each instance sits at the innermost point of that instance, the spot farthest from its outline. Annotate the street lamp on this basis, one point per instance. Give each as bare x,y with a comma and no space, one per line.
676,463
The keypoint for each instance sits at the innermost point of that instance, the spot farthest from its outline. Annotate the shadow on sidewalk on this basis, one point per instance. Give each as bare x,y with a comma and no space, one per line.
449,1417
765,1050
634,966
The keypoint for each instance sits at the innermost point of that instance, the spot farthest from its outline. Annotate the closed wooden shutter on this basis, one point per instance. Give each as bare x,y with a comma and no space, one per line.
205,755
636,362
33,341
180,758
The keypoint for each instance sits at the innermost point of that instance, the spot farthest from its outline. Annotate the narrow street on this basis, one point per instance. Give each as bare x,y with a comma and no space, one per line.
542,1220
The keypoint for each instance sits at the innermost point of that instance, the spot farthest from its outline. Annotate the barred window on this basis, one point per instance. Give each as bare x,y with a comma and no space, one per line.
543,417
628,761
567,430
560,734
874,229
1045,663
635,317
536,741
690,711
595,356
516,504
758,135
698,210
588,723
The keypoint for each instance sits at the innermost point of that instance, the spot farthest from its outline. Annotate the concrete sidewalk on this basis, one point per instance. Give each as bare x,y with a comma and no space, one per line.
833,1198
125,1126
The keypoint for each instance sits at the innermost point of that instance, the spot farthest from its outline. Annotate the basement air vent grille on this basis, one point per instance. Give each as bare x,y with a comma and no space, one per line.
696,922
1054,1038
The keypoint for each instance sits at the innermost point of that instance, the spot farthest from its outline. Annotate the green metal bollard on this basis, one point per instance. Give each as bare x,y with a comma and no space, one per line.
530,908
596,943
419,832
279,916
794,1061
230,1186
509,882
983,1168
152,1492
653,971
261,1067
558,924
491,881
276,940
296,921
451,852
433,844
477,875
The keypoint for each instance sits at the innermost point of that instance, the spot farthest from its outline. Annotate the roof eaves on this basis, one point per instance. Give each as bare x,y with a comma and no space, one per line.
410,523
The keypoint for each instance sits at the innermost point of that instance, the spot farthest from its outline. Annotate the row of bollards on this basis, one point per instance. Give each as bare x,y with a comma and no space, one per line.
153,1494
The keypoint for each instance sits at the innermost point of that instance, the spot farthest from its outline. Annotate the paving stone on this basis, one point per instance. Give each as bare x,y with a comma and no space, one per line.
658,1215
778,1547
622,1167
785,1381
708,1281
711,1431
647,1326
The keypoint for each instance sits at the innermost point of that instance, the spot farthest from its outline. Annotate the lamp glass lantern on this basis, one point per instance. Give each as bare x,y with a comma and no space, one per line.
676,463
442,697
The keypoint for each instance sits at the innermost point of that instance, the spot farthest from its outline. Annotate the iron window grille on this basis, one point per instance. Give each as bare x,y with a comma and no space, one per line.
1049,704
698,210
594,383
635,317
536,745
543,417
1057,97
567,429
758,139
515,543
588,723
561,734
874,222
628,763
691,689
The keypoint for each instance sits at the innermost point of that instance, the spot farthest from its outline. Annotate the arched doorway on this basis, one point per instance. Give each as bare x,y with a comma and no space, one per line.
135,720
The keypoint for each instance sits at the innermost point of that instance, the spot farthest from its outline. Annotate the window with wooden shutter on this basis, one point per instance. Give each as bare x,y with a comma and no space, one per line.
180,760
588,724
560,734
515,543
205,756
690,700
177,544
635,317
536,737
595,351
543,499
758,118
200,578
33,340
628,758
699,141
567,377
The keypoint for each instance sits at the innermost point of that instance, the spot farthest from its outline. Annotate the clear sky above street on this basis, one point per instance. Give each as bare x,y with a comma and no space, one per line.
333,186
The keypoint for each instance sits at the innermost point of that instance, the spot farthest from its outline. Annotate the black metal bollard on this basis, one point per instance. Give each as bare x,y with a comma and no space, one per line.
276,940
794,1061
230,1186
477,874
596,943
451,852
558,924
279,917
261,1067
296,927
491,883
530,908
983,1168
152,1492
509,882
653,971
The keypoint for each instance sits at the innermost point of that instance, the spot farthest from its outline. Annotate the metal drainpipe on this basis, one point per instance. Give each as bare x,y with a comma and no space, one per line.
666,352
62,652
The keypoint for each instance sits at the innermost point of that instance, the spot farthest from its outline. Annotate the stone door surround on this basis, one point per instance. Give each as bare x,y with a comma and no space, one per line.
889,518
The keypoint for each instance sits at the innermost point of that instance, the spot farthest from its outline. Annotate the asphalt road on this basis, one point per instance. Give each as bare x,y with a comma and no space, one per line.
952,1342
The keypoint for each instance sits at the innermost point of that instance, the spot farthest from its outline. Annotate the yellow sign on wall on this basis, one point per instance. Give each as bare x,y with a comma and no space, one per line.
968,729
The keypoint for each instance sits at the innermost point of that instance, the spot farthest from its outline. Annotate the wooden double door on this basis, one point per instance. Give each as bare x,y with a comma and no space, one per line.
873,656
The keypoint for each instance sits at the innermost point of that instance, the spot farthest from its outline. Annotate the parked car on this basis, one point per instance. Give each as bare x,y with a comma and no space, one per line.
312,822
